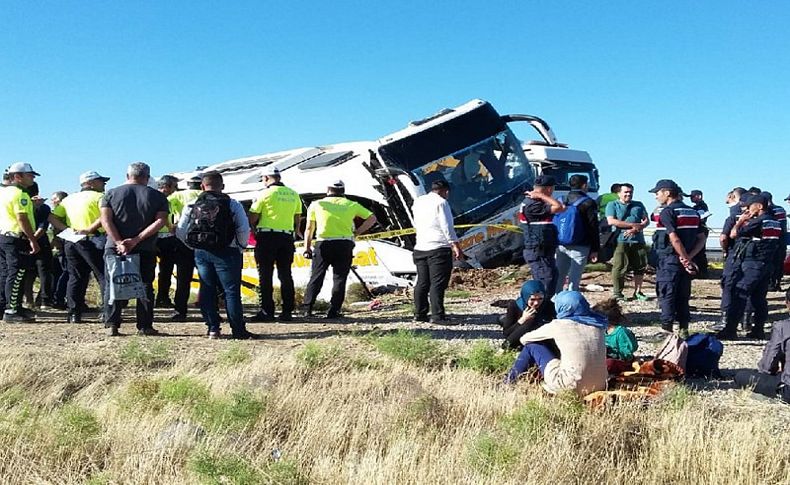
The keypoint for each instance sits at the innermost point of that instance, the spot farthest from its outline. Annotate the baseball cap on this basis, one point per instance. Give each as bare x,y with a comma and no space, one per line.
545,181
664,184
92,175
769,196
696,192
759,199
270,170
337,184
22,167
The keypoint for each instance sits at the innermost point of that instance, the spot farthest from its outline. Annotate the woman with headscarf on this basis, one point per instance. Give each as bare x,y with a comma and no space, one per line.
578,333
526,313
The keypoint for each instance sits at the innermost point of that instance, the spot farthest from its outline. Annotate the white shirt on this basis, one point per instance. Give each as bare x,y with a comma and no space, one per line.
433,222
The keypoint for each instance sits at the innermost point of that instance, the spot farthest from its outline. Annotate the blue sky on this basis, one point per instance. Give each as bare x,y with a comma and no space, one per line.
695,91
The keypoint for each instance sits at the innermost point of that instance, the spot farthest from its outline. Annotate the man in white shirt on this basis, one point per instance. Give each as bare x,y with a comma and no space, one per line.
436,246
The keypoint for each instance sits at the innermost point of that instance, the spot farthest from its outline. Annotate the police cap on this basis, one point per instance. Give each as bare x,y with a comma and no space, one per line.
665,184
545,181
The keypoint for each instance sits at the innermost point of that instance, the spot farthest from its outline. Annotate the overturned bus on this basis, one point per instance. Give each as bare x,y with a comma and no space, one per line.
471,146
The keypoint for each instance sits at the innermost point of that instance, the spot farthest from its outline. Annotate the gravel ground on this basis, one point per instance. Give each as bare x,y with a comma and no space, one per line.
469,299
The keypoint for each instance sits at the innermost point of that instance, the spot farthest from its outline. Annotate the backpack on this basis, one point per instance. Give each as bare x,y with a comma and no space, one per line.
703,356
570,224
210,224
674,350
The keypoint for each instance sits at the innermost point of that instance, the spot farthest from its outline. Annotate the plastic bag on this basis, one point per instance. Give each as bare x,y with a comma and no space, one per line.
124,281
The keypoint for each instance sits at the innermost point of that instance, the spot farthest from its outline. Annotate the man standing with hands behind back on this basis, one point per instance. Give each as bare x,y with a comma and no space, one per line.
132,214
436,246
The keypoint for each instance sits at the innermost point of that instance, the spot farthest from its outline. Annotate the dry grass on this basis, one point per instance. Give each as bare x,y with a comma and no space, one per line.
350,410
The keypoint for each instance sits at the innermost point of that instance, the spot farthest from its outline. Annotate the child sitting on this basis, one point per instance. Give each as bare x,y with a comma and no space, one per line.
620,341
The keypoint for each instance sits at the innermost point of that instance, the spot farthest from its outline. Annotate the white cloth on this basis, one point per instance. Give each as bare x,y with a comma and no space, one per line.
240,222
433,222
582,363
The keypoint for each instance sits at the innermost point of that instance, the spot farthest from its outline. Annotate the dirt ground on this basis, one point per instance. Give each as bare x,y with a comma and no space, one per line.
469,299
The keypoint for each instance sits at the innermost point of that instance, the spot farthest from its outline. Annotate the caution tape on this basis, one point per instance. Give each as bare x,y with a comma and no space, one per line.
410,230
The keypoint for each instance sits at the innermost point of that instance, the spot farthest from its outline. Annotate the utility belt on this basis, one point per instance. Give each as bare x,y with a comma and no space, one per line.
15,235
264,230
165,235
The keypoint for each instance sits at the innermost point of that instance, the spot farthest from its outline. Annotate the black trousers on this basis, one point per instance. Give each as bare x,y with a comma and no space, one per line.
44,270
82,259
339,255
173,253
145,307
275,248
433,277
15,262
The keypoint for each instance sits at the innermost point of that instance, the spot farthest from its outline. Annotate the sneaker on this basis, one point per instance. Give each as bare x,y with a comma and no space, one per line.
641,296
262,317
421,318
28,313
332,314
112,331
18,318
683,334
285,317
178,317
74,317
149,332
214,334
164,304
666,327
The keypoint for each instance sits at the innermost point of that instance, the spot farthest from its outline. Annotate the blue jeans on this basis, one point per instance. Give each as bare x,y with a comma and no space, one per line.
570,263
532,354
220,268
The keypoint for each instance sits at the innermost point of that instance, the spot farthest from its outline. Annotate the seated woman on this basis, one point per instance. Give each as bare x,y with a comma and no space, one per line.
578,333
525,314
776,354
620,341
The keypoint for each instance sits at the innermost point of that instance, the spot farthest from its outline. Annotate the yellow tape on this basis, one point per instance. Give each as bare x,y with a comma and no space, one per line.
405,232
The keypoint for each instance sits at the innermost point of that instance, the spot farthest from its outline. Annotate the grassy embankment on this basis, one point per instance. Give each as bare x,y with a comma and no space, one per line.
378,408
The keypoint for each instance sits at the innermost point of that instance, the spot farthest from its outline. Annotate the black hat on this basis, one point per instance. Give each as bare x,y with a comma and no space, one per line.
767,195
759,199
545,181
696,192
665,184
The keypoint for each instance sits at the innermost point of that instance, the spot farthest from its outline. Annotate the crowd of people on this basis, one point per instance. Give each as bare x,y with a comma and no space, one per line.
203,228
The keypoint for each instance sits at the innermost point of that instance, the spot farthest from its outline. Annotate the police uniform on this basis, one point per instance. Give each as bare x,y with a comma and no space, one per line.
752,258
15,257
79,211
276,207
175,254
729,260
777,271
333,217
540,240
673,282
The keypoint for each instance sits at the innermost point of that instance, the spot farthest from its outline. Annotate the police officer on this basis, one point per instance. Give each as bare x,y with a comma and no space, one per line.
17,241
728,245
184,256
275,215
80,212
757,236
540,233
777,264
331,221
680,239
166,246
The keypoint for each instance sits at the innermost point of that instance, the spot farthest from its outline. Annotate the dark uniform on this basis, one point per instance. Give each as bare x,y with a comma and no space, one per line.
701,259
673,282
540,242
780,216
752,257
729,259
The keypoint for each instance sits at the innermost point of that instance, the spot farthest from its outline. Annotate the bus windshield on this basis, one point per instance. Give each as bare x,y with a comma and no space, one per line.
564,171
483,177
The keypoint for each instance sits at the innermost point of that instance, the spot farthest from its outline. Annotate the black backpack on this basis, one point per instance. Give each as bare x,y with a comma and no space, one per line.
210,222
